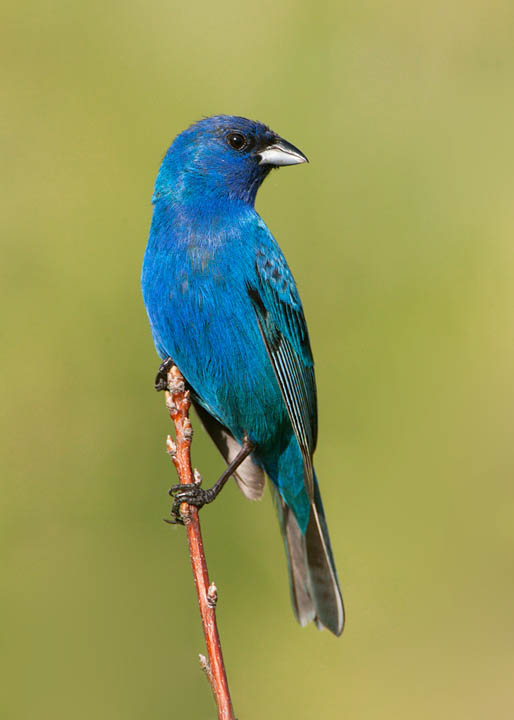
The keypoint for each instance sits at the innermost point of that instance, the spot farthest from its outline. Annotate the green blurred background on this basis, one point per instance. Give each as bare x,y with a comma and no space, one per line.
399,233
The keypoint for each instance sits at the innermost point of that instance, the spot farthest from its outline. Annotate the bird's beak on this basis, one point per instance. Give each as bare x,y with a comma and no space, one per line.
280,152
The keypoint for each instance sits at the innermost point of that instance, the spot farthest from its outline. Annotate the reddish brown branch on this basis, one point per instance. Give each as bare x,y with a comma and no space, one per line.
178,404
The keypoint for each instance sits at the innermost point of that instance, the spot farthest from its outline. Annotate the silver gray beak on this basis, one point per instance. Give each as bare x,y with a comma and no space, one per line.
281,153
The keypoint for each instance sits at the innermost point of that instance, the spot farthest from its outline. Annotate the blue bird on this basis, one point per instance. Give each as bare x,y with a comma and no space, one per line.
223,305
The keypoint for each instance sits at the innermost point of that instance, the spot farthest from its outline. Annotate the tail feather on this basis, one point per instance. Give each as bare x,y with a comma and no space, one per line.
315,592
295,550
324,584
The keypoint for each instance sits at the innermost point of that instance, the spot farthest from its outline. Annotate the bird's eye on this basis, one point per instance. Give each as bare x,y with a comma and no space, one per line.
237,140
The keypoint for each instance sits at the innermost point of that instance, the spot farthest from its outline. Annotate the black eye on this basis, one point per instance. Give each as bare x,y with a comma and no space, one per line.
237,140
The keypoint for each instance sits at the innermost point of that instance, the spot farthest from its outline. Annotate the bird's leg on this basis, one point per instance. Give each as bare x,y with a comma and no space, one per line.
197,496
161,379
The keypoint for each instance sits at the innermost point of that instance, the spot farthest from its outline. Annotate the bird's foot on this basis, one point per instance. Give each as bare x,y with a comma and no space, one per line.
161,379
192,495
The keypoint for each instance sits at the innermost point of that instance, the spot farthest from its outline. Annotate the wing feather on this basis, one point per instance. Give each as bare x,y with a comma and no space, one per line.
283,328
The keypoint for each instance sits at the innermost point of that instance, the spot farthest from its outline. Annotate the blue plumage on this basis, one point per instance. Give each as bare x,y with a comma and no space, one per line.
223,304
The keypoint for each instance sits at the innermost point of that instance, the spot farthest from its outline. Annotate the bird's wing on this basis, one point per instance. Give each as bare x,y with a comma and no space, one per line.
282,324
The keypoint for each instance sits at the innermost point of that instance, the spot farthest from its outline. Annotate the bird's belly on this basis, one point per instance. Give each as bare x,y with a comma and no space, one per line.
213,336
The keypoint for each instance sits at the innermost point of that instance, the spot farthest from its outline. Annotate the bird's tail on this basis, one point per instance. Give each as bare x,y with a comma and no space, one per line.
315,591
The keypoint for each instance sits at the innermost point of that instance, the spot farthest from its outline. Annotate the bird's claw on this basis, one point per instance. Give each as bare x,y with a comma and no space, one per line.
161,379
192,495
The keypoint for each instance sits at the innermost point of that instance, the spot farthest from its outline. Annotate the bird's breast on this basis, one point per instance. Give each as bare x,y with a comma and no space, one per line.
195,290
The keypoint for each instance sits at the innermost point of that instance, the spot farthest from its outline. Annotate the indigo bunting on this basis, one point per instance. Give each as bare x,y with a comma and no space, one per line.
223,305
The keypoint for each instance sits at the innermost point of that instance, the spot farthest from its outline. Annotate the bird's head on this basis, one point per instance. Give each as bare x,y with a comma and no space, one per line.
223,157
